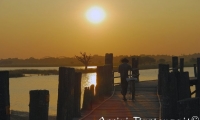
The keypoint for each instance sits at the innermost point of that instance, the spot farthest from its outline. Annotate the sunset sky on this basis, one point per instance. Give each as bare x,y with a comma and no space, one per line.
39,28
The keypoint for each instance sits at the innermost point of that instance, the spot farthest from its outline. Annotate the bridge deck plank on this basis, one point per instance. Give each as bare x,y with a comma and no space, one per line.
146,104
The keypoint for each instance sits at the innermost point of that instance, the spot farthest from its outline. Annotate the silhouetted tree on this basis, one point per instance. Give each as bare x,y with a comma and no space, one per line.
161,60
84,58
193,60
146,60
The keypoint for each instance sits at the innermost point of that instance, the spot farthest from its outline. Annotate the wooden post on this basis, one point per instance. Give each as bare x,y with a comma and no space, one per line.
100,83
169,97
189,108
183,82
195,70
4,96
77,94
198,78
183,85
86,99
163,70
181,65
39,105
133,89
65,93
92,91
175,64
109,61
135,63
91,95
107,86
109,58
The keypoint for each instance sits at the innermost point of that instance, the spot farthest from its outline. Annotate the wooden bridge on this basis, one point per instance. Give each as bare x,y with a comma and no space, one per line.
173,88
146,105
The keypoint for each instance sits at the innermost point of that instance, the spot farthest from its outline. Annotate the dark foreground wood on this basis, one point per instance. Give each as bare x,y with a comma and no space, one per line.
146,105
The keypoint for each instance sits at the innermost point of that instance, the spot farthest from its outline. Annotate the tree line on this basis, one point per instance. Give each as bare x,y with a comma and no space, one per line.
144,60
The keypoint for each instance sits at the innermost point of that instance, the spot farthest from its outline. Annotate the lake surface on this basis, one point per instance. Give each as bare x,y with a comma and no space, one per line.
20,87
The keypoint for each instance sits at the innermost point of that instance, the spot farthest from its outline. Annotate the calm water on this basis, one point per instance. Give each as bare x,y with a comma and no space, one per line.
20,87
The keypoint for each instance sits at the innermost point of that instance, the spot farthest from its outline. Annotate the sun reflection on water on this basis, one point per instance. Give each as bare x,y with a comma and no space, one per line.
88,79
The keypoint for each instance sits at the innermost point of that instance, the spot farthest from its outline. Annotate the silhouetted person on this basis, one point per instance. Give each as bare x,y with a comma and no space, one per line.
123,69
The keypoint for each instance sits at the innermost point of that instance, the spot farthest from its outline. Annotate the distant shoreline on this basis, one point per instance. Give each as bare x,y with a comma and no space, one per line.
22,72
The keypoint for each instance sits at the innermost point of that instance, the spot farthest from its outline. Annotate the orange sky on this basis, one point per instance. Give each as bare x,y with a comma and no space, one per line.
39,28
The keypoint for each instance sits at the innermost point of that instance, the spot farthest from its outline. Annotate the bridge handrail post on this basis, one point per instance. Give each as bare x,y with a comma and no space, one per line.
163,69
108,84
198,78
100,83
135,63
181,65
169,96
4,96
195,70
175,63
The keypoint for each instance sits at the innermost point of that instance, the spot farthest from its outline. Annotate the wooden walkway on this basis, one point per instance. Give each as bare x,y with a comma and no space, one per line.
146,105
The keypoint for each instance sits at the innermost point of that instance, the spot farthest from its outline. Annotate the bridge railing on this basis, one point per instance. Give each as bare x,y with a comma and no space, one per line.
174,90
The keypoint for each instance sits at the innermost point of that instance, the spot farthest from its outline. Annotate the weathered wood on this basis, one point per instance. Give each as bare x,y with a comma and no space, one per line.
100,83
169,97
195,70
133,89
183,85
92,91
109,61
134,72
189,108
108,76
181,64
198,78
135,63
175,63
39,105
162,71
4,96
193,81
77,94
91,95
65,93
86,99
109,58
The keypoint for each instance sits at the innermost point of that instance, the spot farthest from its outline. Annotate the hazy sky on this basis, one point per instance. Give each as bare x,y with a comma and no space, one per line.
39,28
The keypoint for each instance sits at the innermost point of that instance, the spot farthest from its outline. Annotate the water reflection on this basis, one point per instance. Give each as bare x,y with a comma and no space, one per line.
20,87
88,79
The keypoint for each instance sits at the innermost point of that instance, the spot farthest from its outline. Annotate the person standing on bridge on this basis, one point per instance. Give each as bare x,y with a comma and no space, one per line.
123,69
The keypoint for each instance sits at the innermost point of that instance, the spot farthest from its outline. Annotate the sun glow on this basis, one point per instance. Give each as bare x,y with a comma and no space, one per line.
95,14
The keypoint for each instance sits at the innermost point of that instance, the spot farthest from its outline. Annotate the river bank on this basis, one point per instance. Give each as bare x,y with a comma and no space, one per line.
21,115
24,72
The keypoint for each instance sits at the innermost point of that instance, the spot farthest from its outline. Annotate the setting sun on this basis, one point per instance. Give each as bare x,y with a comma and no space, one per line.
95,14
